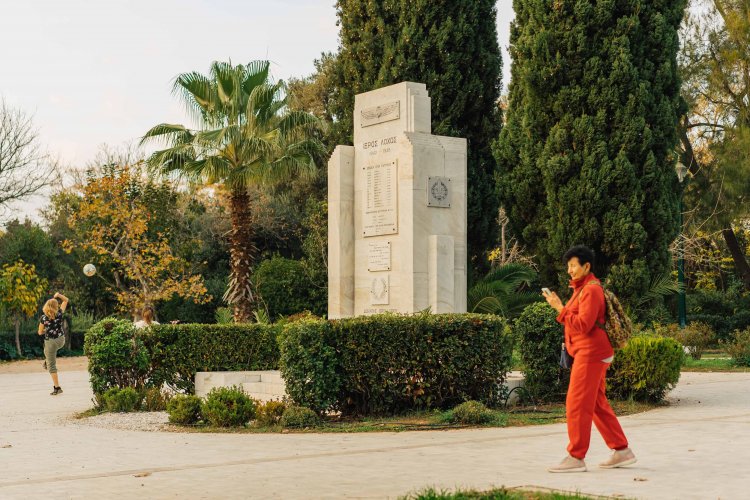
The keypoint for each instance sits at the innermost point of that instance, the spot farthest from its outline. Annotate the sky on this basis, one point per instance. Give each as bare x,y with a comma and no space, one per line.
100,73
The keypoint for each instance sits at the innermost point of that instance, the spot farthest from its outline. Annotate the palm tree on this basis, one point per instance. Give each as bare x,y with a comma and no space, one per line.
246,137
504,291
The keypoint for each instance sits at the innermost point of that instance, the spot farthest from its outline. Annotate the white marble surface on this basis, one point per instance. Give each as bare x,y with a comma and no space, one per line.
414,284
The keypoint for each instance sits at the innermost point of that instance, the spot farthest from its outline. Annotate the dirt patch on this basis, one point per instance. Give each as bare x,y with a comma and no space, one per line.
67,364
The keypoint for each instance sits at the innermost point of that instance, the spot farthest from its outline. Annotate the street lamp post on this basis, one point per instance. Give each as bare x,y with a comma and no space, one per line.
681,304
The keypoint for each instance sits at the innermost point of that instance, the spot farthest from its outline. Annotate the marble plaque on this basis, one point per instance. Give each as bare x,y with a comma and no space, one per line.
439,192
381,114
381,212
380,293
379,256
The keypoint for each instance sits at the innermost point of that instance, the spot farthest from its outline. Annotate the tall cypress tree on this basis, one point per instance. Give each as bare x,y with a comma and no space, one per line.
587,153
452,47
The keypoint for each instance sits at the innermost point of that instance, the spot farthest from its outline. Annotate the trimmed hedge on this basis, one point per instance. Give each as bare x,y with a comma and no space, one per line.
539,337
178,352
386,364
121,356
646,369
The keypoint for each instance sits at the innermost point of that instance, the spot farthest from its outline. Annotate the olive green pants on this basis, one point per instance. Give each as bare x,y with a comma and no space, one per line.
51,347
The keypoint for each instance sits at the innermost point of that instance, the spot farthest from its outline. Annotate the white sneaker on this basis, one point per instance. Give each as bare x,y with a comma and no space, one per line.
619,458
569,464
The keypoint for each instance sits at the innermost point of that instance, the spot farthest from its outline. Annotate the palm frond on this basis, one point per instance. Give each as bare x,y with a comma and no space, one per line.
662,285
481,298
170,133
256,73
513,273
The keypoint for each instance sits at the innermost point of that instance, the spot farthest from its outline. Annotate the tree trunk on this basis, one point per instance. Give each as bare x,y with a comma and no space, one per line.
239,293
740,262
18,336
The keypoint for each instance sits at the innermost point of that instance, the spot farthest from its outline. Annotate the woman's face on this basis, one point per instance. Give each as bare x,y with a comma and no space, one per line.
576,270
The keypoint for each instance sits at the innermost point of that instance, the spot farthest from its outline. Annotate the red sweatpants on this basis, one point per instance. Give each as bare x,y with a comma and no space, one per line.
587,401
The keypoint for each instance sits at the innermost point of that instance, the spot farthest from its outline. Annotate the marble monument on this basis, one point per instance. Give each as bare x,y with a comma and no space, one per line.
396,210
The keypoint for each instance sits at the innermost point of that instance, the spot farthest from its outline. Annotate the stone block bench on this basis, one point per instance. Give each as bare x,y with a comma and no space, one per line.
261,385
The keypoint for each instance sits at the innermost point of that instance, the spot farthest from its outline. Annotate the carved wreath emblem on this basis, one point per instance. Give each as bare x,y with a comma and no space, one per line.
439,190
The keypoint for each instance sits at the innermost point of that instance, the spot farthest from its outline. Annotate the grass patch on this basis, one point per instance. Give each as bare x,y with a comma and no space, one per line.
494,494
521,416
713,362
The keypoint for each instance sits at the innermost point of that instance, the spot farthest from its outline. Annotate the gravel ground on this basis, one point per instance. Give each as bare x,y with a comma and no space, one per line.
148,421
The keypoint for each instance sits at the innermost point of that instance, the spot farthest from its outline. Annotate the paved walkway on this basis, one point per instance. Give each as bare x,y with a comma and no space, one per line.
697,448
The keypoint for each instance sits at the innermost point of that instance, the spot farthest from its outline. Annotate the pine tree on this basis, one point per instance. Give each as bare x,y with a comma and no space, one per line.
587,153
452,47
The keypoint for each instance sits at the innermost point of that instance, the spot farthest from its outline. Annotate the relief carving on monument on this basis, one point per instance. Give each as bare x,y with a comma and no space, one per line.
381,114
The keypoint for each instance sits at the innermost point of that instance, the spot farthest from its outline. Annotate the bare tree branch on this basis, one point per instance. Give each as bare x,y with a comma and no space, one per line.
25,167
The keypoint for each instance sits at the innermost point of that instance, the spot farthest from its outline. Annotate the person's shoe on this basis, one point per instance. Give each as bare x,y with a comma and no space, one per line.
44,365
569,464
55,391
619,458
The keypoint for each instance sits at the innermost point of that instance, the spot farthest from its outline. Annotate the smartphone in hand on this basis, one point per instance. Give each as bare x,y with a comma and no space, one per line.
546,291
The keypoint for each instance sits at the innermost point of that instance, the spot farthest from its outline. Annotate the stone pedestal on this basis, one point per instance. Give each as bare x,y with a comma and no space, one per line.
396,210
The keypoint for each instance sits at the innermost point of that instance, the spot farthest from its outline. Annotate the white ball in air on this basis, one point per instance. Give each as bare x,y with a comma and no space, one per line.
89,270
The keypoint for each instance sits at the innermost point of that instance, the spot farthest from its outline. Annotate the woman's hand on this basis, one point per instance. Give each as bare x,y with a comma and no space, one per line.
554,301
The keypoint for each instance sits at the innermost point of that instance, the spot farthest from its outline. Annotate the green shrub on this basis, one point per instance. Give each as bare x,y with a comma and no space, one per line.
117,356
123,400
269,413
184,409
696,337
299,417
154,399
286,288
228,407
739,347
310,364
386,364
539,337
178,352
723,311
471,413
646,369
224,316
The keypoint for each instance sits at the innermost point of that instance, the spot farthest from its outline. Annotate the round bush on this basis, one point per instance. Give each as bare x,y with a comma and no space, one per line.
270,413
123,400
184,409
471,413
117,356
299,417
696,337
540,337
646,369
228,407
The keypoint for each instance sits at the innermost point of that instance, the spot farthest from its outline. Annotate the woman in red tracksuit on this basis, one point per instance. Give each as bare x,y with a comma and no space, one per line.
585,340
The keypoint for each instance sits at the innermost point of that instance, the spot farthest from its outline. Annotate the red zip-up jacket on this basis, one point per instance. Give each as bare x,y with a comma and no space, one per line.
584,340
